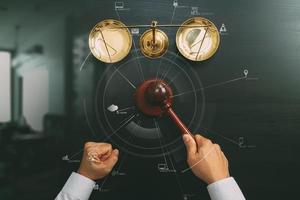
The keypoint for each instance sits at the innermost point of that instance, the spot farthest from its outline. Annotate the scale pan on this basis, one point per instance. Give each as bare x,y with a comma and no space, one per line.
110,41
197,39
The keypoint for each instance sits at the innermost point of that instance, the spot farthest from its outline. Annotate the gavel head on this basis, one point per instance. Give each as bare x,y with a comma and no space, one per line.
156,93
153,96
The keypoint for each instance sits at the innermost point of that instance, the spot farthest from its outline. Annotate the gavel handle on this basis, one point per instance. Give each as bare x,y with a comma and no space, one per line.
178,122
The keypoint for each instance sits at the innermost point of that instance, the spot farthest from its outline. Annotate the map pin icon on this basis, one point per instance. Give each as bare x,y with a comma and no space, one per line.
246,72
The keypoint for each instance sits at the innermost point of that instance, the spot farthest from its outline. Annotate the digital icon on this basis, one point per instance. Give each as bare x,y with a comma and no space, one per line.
246,72
112,108
119,5
242,143
164,168
67,159
98,188
223,28
135,31
117,173
175,3
195,11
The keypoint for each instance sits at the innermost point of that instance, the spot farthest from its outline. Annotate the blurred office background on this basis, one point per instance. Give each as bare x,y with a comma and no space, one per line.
37,42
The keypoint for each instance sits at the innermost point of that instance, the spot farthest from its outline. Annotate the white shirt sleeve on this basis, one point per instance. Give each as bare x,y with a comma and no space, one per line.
77,187
225,189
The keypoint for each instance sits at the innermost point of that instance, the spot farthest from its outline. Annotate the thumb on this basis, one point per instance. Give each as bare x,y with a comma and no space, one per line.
190,144
112,159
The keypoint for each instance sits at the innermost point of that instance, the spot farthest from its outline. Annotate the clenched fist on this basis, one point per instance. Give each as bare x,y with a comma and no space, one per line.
206,160
98,160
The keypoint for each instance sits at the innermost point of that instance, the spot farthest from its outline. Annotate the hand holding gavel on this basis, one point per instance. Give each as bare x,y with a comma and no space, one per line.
206,160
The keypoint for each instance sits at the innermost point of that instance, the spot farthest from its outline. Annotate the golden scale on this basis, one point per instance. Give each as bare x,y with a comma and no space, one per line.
197,39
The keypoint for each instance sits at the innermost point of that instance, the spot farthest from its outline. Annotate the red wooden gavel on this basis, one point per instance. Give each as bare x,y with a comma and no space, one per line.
154,97
176,119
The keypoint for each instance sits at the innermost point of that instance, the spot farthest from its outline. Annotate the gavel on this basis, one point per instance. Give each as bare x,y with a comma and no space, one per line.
154,98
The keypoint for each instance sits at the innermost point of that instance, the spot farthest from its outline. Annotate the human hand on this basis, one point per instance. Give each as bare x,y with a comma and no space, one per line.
98,160
206,160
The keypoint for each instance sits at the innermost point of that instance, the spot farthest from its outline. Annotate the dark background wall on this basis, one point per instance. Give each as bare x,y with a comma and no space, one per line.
262,36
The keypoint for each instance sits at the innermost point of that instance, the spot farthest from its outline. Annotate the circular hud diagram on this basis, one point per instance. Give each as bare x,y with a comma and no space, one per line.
113,111
138,76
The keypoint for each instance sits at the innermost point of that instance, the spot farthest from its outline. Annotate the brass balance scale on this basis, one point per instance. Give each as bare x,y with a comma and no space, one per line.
197,39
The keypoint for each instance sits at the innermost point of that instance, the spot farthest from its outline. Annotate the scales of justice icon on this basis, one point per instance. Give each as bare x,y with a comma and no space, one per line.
197,39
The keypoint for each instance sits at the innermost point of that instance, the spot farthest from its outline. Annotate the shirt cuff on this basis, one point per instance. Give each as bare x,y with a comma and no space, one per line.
225,189
79,186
